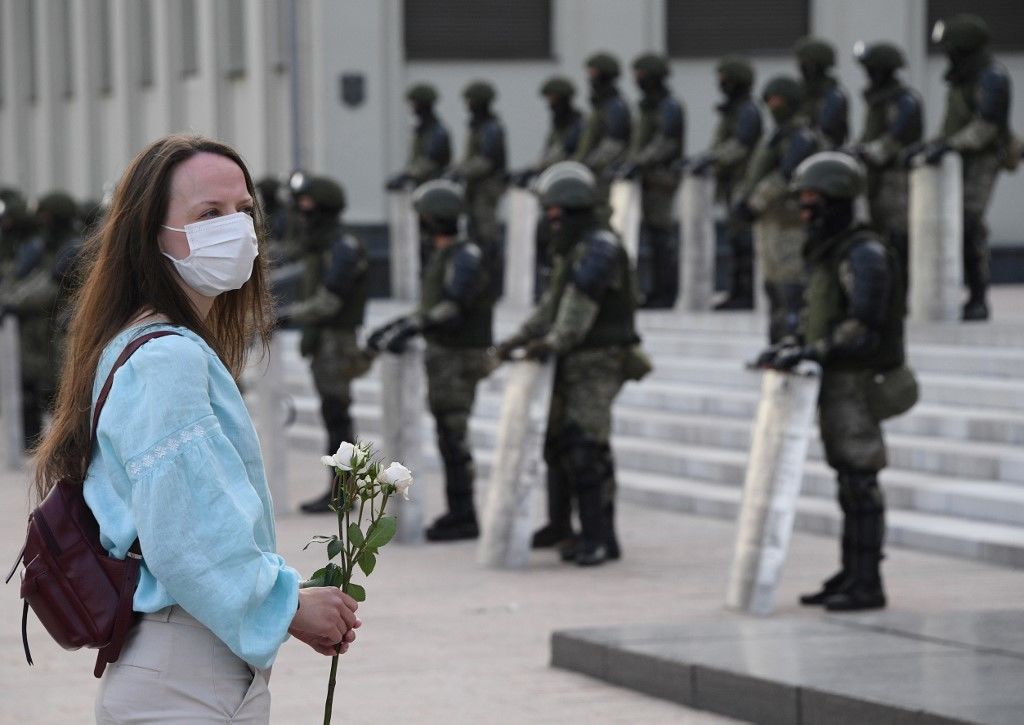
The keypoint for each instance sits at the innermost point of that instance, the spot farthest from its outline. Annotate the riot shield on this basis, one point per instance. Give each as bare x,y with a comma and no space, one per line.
697,228
771,487
518,468
402,392
404,235
625,202
10,393
936,240
521,247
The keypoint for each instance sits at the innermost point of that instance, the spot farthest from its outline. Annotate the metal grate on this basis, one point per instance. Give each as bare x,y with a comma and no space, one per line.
699,28
477,29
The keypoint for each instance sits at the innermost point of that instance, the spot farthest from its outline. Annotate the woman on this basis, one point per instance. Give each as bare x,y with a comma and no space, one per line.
177,462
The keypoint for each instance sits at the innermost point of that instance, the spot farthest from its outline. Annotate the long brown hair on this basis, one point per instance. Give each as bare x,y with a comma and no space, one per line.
123,272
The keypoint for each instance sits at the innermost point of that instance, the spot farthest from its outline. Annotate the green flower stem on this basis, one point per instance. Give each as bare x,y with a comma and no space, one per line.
346,577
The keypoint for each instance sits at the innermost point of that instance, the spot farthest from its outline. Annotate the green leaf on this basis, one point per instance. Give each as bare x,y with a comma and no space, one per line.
334,548
366,562
381,532
310,583
356,592
318,539
355,535
319,573
334,575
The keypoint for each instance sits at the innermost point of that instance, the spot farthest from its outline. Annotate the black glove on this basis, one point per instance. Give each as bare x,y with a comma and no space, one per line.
379,337
539,350
906,156
504,349
521,178
398,182
627,170
743,212
701,165
400,334
934,152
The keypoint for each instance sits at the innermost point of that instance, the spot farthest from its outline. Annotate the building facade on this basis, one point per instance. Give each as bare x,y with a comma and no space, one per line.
84,84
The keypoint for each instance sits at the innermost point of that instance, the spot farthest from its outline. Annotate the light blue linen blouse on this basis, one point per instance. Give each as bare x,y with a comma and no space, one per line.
177,463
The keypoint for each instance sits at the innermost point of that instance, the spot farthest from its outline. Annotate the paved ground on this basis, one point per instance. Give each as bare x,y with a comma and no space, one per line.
447,641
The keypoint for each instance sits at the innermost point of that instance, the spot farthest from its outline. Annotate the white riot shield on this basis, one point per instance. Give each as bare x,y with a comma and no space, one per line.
625,202
523,213
10,393
518,466
936,240
697,256
271,423
404,235
774,472
402,391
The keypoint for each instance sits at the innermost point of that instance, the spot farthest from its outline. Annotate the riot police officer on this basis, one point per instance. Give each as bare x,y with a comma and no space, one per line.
852,327
736,137
893,123
482,171
764,196
41,266
976,125
17,227
824,102
656,150
275,213
606,133
331,309
585,320
455,318
431,150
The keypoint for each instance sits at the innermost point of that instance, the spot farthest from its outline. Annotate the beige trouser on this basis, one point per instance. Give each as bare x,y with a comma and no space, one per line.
174,670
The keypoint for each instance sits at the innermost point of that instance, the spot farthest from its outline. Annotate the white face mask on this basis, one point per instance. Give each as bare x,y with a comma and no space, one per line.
221,253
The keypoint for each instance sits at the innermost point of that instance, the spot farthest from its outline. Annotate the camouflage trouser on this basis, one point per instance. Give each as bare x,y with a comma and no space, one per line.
779,239
452,377
580,420
852,437
336,361
980,173
889,201
657,203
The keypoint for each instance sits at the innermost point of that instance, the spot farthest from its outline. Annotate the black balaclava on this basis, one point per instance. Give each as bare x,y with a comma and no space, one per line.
829,217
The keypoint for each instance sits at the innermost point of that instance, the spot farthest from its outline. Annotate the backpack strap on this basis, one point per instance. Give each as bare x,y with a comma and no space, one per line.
124,618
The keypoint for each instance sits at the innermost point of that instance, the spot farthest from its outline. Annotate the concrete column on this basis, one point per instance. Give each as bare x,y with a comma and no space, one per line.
625,202
771,487
697,253
936,240
518,469
521,248
402,393
10,394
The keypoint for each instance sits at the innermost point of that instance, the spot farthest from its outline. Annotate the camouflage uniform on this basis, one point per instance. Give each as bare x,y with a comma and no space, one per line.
976,125
586,319
37,296
482,170
455,318
656,148
893,123
824,106
431,150
331,310
736,136
764,195
606,133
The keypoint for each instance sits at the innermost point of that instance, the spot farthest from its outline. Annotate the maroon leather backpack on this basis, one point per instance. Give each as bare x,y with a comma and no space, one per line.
82,595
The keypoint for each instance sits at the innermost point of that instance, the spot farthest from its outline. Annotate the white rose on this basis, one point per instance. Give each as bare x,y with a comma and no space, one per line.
347,454
398,476
327,461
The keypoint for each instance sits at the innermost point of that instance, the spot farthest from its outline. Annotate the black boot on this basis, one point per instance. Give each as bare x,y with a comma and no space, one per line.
611,540
835,583
975,309
592,548
830,586
319,505
460,521
558,529
862,588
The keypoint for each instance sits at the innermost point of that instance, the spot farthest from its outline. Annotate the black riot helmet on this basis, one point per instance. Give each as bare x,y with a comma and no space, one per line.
326,195
815,57
479,95
650,71
559,92
603,69
56,210
837,179
961,36
422,97
439,204
735,76
567,185
788,95
880,60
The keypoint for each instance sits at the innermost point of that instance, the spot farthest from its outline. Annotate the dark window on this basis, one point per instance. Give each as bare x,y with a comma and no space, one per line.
189,38
702,28
477,29
146,68
1005,20
233,37
104,46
